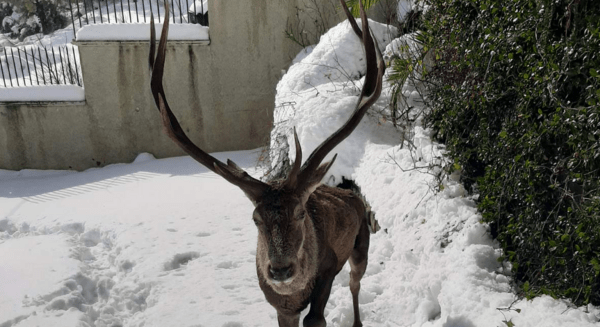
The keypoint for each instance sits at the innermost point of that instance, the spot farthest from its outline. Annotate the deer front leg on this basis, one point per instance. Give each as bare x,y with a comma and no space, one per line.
287,320
315,316
321,291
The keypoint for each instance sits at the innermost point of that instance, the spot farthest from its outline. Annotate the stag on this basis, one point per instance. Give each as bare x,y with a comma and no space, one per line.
306,230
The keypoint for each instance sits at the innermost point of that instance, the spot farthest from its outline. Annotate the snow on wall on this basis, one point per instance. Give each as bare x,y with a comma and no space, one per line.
43,93
141,32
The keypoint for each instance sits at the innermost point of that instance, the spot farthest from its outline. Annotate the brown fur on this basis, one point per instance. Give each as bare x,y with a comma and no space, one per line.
334,219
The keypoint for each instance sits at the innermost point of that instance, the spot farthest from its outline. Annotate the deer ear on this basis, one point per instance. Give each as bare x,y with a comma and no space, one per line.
315,179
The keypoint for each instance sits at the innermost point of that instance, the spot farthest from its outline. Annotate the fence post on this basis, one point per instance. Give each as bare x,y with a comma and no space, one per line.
129,10
172,11
71,78
158,9
72,21
62,64
37,79
8,68
2,69
21,65
28,68
94,11
180,15
144,9
107,12
137,14
12,54
42,65
100,9
79,78
122,13
87,21
48,63
115,10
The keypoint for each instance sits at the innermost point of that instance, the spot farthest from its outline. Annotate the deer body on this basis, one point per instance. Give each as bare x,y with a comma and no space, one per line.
306,231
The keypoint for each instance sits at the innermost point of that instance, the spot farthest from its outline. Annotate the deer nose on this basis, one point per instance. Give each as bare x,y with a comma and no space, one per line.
281,273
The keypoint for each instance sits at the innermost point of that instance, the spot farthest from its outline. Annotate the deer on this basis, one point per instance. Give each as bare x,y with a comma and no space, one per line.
307,230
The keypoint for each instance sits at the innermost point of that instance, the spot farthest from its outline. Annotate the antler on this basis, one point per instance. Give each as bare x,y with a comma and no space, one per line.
369,94
230,171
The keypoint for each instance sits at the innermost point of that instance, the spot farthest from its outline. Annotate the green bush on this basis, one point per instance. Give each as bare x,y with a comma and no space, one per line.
514,96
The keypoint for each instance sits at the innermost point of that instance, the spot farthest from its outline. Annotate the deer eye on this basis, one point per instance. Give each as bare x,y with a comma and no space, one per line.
299,214
256,219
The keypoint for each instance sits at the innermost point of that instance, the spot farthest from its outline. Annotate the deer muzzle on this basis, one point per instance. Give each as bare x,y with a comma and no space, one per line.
281,273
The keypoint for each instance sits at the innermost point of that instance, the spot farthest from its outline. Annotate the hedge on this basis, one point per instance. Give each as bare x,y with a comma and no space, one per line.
514,96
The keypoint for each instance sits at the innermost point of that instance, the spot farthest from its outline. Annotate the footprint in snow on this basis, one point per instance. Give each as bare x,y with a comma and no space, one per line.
233,324
180,259
126,266
227,265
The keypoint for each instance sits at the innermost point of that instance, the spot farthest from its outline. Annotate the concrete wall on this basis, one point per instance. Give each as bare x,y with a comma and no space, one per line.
222,93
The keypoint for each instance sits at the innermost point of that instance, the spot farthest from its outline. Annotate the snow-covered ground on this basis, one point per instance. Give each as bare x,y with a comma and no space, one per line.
167,243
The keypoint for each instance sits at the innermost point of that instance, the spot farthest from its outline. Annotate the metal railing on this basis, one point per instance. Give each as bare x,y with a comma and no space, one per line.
35,65
136,11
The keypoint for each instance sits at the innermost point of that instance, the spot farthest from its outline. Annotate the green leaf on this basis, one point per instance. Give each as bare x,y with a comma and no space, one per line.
355,8
594,262
503,134
593,72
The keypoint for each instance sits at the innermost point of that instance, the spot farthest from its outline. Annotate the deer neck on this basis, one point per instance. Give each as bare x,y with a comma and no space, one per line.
308,260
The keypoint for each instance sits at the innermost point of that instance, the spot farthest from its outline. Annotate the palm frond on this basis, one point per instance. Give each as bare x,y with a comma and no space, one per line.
354,8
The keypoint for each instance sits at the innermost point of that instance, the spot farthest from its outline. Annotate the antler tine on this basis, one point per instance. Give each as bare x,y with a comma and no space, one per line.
369,94
293,175
351,19
230,171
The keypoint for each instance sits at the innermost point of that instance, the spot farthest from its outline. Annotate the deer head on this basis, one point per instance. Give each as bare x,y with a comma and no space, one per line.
285,235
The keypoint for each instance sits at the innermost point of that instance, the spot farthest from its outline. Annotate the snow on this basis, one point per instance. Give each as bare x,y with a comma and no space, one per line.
199,6
167,243
42,93
404,8
32,267
141,31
